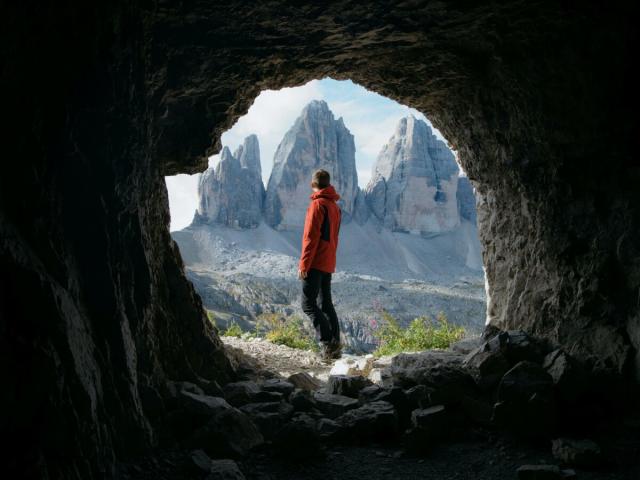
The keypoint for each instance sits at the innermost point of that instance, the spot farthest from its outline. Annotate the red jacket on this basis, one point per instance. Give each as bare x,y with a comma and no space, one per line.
321,228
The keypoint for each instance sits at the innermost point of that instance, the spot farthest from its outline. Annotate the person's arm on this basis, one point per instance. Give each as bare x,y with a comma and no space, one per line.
310,237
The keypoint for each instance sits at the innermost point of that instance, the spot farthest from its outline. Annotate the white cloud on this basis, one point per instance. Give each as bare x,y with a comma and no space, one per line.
183,199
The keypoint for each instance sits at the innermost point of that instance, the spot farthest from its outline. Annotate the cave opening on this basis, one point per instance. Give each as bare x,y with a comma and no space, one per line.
409,248
106,350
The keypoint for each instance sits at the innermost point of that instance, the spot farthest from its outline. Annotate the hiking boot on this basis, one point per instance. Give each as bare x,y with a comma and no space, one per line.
336,349
326,352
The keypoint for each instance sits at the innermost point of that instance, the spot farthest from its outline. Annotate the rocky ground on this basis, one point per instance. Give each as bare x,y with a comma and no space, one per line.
504,405
280,359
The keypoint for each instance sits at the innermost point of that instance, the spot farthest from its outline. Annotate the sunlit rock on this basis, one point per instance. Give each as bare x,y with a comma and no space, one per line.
415,180
232,193
316,140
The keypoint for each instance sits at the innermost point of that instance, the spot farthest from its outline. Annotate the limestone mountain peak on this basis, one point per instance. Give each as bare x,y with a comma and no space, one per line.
316,140
232,193
414,181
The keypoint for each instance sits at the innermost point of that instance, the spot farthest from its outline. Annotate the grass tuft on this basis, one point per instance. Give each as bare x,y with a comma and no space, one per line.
423,333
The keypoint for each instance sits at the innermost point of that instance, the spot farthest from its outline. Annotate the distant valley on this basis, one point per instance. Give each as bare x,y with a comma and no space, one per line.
408,242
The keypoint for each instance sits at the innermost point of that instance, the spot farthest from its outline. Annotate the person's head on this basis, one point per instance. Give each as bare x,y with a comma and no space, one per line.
321,179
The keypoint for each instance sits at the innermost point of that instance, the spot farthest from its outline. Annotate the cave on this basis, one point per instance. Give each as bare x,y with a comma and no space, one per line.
538,99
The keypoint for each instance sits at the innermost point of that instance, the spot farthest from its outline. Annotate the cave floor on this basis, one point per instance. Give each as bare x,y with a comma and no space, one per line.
479,458
469,460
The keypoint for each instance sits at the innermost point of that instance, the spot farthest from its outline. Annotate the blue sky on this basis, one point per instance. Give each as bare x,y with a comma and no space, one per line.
370,117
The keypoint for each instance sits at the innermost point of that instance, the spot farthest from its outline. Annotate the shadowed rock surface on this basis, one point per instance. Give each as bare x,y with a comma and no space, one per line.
96,314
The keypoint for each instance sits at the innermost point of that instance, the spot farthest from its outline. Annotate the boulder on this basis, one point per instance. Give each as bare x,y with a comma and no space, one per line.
334,405
544,472
202,405
427,427
466,345
380,372
569,377
227,433
525,401
200,461
418,397
516,346
350,365
418,368
432,418
487,366
477,409
539,472
578,453
439,370
279,386
328,428
393,395
524,380
521,347
172,390
298,439
347,385
211,387
269,416
241,393
304,381
373,421
302,400
225,470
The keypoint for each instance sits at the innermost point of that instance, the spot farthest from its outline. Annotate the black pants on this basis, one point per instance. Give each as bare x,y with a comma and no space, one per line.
325,319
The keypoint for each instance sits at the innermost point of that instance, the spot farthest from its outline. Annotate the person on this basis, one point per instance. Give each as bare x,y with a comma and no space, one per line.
318,262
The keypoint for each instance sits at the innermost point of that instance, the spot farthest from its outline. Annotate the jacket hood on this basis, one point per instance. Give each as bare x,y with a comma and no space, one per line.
327,192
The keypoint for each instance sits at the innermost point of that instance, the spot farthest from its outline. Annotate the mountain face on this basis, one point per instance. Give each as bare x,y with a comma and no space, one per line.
249,155
316,140
232,193
415,187
415,180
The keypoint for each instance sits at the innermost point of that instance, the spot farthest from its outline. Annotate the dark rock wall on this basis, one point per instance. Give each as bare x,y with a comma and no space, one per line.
95,310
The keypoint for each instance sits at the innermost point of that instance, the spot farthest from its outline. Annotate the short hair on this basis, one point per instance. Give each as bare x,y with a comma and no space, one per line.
321,179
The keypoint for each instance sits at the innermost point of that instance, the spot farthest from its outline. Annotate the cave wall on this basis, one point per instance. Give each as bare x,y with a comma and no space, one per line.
95,310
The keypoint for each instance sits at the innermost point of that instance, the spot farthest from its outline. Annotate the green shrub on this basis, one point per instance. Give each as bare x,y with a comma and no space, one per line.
422,334
289,331
233,330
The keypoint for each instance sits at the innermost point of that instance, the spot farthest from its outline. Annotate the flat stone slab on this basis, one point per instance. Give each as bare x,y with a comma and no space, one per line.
347,385
334,405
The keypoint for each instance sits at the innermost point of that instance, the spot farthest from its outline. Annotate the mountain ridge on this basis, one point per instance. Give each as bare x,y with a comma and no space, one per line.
415,186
